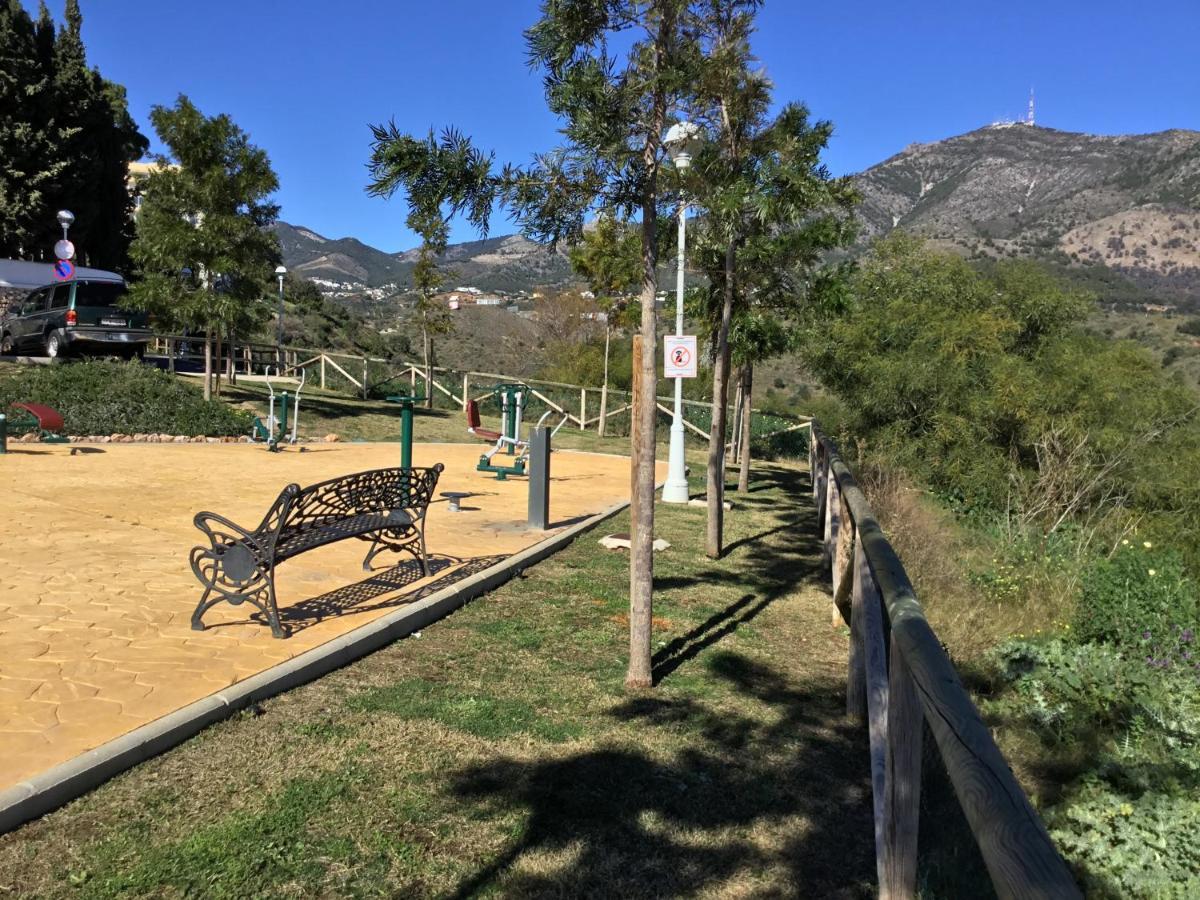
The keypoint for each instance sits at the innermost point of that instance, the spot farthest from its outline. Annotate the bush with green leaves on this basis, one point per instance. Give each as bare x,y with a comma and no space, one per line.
1120,729
104,397
1140,593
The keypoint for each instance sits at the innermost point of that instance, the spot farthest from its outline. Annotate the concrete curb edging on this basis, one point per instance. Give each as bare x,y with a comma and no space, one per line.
59,785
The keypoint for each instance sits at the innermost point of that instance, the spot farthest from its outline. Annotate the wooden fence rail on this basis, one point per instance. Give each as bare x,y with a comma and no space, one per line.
249,358
898,675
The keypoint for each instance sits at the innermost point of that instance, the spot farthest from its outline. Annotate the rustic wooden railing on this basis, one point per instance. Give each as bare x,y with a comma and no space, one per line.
898,675
360,374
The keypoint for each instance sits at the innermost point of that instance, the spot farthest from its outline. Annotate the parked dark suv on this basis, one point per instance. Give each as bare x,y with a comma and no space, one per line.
83,315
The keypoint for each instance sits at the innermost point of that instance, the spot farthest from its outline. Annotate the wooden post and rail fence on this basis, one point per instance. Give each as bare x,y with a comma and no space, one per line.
359,375
899,681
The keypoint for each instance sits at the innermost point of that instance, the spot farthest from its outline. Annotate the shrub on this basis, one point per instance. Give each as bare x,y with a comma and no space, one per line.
1139,591
103,397
1121,728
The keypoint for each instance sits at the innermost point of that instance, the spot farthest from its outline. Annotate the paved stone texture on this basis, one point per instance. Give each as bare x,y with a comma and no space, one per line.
96,593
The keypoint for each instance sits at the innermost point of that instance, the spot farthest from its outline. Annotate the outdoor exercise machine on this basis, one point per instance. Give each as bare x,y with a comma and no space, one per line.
406,402
275,430
34,416
508,443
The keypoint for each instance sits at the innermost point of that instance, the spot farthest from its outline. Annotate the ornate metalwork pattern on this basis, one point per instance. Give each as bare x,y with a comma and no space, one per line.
383,506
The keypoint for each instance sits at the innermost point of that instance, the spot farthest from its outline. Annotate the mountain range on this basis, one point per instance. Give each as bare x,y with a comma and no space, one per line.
1122,208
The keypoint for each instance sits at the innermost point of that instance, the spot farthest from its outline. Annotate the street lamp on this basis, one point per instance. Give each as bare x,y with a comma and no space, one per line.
682,140
64,249
280,271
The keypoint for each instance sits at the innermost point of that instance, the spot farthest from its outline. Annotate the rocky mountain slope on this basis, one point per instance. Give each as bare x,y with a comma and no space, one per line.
1129,203
508,263
1120,213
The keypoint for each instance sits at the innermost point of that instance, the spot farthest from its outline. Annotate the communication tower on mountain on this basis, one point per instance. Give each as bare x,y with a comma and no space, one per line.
1029,115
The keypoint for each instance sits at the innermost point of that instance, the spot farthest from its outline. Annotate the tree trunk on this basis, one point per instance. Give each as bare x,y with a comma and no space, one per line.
231,371
735,439
600,428
207,364
747,406
217,364
427,346
714,543
641,551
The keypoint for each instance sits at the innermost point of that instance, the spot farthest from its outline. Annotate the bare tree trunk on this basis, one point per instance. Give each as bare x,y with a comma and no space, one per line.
735,439
715,535
207,364
217,366
604,389
427,346
641,551
231,372
747,406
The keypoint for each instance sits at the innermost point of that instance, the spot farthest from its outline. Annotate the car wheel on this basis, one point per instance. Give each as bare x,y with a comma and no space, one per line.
54,346
7,348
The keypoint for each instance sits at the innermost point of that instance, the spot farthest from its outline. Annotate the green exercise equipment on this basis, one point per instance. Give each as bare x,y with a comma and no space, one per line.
274,431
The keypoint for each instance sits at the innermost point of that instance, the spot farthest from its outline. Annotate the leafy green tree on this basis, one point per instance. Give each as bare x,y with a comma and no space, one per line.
614,110
66,140
442,179
614,106
769,212
984,386
204,211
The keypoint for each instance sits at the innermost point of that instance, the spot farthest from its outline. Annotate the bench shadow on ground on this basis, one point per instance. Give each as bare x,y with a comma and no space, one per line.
383,589
782,760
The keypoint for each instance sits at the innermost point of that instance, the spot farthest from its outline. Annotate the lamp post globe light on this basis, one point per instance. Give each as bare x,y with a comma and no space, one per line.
682,140
280,271
64,249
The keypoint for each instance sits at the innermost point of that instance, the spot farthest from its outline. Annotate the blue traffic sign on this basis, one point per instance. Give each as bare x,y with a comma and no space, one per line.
64,270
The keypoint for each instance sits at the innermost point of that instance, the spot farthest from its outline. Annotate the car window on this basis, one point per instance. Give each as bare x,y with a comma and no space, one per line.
98,294
35,302
59,295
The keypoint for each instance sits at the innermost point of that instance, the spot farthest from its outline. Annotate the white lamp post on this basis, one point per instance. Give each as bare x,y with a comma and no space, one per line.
280,271
681,141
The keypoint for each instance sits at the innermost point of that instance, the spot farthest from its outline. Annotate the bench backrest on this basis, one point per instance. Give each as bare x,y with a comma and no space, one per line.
374,491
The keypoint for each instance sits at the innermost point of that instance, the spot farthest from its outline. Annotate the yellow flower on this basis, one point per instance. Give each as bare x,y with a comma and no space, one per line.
1125,542
1152,572
1147,544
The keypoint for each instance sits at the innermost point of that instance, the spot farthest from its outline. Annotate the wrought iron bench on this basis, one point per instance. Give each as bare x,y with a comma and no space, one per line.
384,506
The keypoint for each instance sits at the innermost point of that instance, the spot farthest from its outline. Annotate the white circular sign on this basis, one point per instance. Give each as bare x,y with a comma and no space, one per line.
64,249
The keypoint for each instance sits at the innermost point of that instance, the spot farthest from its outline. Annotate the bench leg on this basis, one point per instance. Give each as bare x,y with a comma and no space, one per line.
261,597
374,550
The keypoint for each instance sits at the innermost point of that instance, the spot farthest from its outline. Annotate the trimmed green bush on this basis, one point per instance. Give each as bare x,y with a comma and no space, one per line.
105,397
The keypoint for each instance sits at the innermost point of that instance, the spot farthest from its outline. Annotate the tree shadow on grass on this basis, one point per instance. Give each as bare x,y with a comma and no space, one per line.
772,797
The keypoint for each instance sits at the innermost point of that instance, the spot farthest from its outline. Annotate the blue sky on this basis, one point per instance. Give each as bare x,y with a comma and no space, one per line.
305,77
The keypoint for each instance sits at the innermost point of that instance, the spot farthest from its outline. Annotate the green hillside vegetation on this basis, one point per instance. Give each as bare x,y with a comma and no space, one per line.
1042,482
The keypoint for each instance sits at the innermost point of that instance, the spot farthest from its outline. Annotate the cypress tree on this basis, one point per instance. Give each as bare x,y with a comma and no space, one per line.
29,163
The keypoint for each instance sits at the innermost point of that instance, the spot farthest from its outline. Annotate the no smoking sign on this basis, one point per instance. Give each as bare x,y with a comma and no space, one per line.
679,359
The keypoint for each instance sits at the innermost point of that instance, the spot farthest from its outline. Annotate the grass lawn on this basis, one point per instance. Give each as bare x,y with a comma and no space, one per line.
497,754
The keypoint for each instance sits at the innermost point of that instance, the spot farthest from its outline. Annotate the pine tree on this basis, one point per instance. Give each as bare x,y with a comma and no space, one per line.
204,209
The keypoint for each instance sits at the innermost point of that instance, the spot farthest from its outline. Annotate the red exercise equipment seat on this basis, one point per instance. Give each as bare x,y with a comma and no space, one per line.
473,423
48,419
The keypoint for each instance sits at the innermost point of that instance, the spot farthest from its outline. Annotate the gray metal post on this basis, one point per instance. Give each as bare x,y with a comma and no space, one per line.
539,479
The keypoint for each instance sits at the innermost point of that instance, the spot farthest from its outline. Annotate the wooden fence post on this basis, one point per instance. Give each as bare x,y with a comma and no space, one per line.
603,410
841,553
322,371
875,671
902,800
832,509
466,394
583,409
366,387
856,677
412,381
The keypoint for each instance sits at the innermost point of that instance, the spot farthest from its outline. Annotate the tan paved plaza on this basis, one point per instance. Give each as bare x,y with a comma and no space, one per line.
96,593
